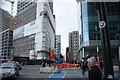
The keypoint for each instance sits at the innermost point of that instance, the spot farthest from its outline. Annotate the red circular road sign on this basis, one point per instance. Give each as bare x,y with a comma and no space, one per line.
102,24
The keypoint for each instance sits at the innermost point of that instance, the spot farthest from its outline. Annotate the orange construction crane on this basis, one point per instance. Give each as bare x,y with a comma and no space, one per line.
11,16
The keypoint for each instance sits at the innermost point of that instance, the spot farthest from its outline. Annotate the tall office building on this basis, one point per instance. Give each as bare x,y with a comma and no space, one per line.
90,36
34,29
23,5
6,39
74,45
57,46
4,20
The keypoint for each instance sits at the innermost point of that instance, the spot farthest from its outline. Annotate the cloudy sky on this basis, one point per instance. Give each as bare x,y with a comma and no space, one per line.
66,20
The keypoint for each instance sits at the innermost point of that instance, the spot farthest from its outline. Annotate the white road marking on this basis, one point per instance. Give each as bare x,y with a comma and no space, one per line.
50,75
64,74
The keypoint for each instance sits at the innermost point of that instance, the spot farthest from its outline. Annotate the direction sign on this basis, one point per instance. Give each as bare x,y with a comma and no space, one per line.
102,24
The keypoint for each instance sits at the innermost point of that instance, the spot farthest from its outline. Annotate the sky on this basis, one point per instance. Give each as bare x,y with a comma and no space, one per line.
66,19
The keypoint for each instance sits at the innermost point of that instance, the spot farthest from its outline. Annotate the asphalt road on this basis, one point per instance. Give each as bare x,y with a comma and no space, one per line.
31,72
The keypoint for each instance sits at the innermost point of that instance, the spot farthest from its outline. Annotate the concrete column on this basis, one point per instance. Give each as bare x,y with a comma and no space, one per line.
119,52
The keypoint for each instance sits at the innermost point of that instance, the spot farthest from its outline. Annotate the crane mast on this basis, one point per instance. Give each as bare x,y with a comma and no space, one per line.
11,16
11,48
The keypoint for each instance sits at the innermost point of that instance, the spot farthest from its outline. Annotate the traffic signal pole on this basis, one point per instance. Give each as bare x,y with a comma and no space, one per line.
105,41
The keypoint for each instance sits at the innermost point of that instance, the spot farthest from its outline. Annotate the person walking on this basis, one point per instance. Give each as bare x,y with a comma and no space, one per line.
43,65
94,72
84,67
43,62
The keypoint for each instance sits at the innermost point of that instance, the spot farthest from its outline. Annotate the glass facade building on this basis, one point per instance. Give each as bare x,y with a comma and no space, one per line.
57,46
91,40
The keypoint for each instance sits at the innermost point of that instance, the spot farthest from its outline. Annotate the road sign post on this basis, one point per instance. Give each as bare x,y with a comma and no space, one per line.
105,41
102,24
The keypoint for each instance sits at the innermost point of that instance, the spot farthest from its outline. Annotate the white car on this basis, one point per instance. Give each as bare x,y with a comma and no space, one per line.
9,70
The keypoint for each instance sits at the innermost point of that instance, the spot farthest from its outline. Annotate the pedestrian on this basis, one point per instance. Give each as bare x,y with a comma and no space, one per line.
94,72
43,62
43,65
84,67
48,62
101,65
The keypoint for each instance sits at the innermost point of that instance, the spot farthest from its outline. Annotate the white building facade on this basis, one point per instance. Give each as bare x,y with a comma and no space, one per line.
34,29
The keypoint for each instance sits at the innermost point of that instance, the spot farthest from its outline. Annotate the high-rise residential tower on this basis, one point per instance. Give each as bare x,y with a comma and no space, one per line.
74,45
6,39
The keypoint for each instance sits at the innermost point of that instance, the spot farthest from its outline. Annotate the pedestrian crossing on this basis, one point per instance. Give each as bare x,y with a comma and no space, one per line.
57,75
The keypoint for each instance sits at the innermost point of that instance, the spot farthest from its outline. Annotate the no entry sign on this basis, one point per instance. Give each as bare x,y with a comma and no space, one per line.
102,24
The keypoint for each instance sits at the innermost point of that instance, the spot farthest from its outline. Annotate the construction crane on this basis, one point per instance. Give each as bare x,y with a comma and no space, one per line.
11,29
11,16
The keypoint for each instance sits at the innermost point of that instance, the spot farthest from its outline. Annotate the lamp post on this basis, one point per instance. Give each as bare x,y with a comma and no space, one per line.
105,41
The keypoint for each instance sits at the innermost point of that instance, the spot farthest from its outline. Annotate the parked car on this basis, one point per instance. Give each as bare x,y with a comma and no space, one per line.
10,70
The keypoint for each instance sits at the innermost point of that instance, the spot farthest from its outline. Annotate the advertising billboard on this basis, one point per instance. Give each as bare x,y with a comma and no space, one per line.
32,27
17,33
